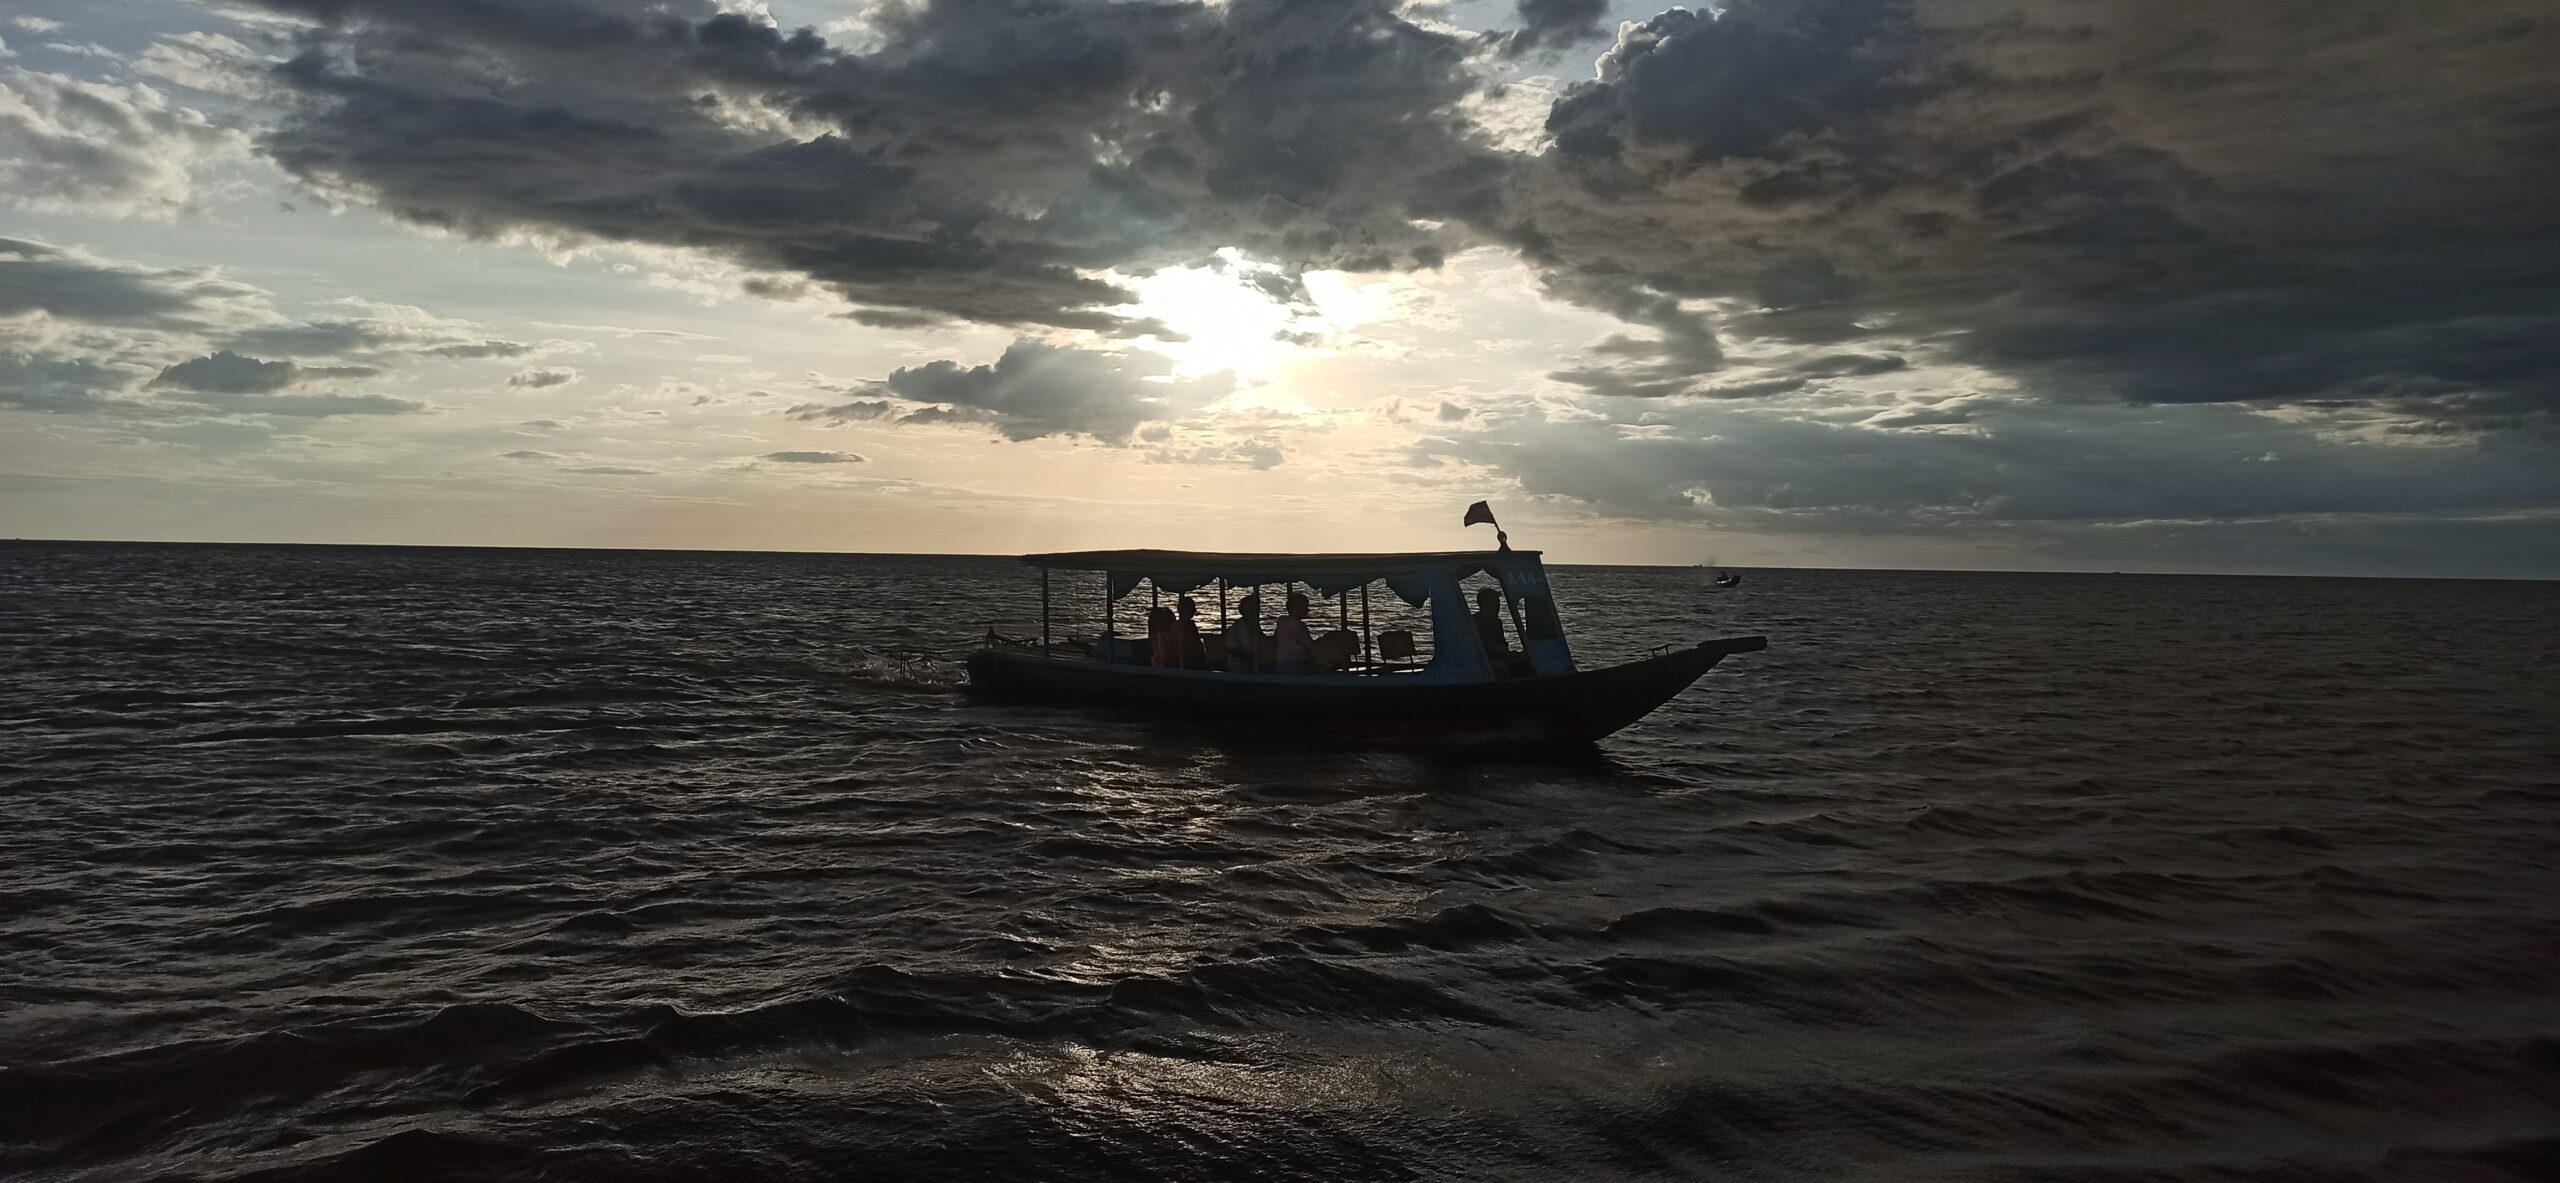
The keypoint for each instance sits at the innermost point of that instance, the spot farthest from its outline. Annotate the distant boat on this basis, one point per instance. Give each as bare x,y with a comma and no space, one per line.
1370,686
1729,579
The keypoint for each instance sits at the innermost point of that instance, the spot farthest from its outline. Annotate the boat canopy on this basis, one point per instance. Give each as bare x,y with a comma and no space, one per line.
1412,576
1427,580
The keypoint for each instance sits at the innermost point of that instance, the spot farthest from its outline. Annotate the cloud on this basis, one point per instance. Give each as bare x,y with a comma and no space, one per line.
981,162
370,328
857,411
36,24
1036,390
1748,467
611,470
1555,24
77,331
1259,455
1684,346
528,454
2174,207
73,285
1452,413
814,457
477,349
209,62
307,406
69,146
36,382
537,379
225,372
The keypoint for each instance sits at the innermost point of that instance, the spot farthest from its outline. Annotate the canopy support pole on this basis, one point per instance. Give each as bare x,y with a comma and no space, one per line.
1044,611
1367,657
1110,618
1222,603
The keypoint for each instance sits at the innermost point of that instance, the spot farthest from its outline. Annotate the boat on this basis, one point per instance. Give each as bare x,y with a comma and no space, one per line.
1368,685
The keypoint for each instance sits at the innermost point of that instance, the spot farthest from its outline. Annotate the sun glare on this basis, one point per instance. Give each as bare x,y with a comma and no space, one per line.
1237,315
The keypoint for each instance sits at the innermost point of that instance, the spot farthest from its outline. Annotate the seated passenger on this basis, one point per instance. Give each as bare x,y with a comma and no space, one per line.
1244,637
1195,649
1294,646
1164,639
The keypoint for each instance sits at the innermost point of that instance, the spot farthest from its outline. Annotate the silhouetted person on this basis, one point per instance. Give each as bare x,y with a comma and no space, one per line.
1164,639
1245,634
1497,649
1294,648
1195,652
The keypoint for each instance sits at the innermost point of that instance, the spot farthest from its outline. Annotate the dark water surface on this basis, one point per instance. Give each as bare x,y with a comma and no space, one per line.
367,863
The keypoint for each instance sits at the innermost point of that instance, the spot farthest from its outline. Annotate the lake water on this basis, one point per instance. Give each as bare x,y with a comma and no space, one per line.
356,863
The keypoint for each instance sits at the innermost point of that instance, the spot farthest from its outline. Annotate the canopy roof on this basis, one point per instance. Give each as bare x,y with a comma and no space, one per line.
1331,574
1273,568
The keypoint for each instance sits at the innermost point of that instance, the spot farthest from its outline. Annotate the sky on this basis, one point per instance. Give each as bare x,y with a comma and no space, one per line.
2008,284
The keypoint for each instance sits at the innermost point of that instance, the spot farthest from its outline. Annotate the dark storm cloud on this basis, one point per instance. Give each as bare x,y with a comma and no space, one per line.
815,457
1737,82
1555,24
1036,390
225,372
972,159
2166,203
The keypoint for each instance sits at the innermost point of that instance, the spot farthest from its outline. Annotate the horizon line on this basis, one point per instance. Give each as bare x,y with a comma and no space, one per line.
702,550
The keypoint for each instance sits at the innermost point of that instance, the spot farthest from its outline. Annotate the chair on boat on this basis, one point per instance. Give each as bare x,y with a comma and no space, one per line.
1395,647
1214,645
1334,650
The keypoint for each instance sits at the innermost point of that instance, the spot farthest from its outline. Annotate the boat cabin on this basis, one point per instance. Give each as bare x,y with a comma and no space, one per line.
1340,589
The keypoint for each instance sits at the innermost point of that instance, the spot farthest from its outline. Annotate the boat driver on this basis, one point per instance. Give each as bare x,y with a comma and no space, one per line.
1497,650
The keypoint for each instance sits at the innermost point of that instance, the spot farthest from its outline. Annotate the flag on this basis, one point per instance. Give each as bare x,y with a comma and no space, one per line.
1480,512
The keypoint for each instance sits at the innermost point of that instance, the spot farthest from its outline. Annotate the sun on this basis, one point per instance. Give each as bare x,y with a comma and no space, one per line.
1235,314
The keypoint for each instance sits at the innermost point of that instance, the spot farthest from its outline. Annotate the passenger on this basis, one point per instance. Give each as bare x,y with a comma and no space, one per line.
1497,651
1294,646
1245,635
1489,623
1164,639
1195,651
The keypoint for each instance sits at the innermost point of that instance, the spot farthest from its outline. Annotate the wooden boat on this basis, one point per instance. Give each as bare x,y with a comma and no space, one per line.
1374,687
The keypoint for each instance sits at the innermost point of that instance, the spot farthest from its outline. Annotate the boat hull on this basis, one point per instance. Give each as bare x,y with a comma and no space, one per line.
1545,710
